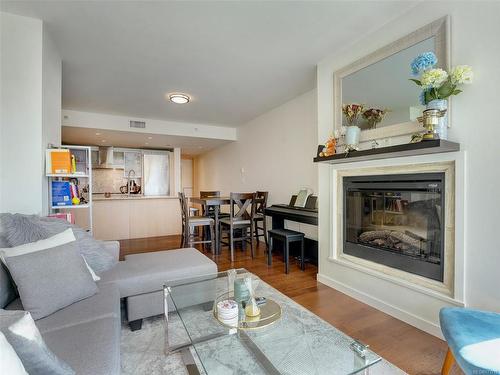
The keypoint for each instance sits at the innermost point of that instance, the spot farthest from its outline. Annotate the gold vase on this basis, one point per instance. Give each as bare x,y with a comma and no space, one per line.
430,120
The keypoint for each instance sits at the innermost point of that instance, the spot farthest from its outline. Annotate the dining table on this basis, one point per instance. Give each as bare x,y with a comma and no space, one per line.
215,203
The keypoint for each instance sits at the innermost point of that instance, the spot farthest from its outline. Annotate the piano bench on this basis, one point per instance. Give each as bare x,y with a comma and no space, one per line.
287,236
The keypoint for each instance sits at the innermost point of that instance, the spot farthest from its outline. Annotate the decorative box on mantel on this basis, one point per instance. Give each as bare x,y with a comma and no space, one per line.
408,149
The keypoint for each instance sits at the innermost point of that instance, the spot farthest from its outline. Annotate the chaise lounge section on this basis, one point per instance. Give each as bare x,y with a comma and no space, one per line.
86,334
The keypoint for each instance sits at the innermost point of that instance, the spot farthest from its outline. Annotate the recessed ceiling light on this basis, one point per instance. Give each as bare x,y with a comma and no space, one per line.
150,137
97,133
103,140
147,143
179,98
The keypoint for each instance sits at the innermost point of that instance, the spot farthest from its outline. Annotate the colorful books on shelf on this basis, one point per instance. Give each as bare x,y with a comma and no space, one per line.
68,216
61,194
58,161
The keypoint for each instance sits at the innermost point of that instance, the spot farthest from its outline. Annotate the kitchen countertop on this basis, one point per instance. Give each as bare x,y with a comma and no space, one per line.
122,197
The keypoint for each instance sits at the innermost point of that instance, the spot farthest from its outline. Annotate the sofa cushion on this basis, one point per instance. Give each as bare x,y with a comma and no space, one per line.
89,348
148,272
11,364
51,279
7,291
22,333
104,304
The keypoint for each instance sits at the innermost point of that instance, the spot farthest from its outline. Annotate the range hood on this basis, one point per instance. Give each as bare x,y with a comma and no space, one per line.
106,158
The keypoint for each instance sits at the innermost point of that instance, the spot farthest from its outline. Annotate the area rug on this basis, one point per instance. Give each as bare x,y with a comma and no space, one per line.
142,351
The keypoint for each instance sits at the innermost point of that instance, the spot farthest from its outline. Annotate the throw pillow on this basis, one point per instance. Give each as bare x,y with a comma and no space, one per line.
25,338
20,229
56,240
93,250
11,364
51,279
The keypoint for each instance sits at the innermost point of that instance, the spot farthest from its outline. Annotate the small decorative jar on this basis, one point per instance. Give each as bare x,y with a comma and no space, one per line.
352,137
441,127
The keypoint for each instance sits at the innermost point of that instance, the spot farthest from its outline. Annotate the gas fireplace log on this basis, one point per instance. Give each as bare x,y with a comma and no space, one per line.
405,238
373,235
388,238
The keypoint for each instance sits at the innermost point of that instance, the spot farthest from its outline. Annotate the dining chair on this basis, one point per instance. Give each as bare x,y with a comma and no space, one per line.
208,211
240,221
260,216
189,223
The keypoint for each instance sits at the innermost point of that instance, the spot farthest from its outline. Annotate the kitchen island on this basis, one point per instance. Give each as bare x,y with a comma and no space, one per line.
136,216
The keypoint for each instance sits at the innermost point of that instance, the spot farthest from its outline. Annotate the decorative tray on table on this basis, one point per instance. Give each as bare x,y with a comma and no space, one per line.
231,315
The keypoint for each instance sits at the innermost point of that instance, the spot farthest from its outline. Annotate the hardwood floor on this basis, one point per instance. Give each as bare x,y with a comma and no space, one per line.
409,348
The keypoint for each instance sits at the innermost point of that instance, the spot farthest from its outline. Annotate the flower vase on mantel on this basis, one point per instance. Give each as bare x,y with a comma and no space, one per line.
352,135
437,86
351,112
442,126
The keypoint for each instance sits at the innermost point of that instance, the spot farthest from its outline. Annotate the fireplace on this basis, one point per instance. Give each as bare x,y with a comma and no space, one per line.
396,220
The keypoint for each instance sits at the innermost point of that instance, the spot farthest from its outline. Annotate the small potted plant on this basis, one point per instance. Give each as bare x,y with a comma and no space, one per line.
438,85
351,113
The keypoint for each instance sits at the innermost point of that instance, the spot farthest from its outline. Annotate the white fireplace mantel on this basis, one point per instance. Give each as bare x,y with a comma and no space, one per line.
411,298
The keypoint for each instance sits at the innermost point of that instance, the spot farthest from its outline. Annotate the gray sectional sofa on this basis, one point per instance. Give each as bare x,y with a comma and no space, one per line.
86,334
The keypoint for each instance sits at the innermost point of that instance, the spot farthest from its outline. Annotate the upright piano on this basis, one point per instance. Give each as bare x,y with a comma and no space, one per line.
307,215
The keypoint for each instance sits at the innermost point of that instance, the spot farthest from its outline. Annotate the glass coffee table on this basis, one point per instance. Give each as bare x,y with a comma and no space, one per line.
298,343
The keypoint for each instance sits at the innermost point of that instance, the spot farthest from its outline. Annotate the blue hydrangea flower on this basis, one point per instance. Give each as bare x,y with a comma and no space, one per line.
422,62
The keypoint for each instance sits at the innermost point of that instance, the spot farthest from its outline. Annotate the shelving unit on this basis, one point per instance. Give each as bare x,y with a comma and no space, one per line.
83,171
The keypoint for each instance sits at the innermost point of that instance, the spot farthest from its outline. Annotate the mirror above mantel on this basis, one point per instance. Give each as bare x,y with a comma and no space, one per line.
381,81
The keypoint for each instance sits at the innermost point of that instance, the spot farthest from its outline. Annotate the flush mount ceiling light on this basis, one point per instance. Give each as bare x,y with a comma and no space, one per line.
179,98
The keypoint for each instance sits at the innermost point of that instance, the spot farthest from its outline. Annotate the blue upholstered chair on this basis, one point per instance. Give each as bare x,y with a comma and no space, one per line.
473,338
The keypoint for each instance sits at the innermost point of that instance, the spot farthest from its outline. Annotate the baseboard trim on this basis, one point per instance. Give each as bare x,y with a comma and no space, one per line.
394,311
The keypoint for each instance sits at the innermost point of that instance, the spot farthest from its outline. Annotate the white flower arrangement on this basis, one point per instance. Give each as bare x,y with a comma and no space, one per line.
433,78
461,74
437,83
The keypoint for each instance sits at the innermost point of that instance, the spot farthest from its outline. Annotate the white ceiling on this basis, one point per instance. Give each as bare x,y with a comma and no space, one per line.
190,146
236,59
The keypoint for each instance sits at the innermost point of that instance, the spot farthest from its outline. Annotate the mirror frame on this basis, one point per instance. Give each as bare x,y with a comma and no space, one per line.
440,29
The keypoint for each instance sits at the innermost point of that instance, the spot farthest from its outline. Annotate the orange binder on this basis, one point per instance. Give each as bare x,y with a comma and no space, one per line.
60,161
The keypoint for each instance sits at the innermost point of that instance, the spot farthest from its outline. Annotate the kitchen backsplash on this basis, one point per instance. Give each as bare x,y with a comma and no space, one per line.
108,180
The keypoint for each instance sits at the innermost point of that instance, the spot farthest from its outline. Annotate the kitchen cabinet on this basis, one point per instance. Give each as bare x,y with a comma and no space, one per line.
154,217
111,220
118,159
133,161
136,217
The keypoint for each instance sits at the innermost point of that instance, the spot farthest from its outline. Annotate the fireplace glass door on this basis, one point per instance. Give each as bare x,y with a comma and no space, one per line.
396,220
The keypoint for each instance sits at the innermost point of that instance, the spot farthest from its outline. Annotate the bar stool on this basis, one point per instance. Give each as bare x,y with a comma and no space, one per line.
260,215
189,223
286,236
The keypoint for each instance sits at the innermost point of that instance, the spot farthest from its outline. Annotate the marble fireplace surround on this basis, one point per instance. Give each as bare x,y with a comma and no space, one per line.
445,288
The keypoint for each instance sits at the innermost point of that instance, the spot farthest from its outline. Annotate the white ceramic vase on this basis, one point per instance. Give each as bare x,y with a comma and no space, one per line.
352,135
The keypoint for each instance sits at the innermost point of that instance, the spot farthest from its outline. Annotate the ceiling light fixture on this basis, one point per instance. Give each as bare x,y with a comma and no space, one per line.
179,98
150,137
97,133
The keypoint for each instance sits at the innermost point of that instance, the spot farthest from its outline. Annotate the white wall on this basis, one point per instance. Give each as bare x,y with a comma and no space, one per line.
474,30
51,103
273,152
30,115
21,85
